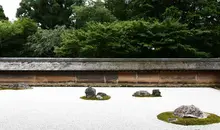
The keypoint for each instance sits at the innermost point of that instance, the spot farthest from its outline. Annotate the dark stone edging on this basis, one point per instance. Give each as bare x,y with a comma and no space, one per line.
216,86
37,59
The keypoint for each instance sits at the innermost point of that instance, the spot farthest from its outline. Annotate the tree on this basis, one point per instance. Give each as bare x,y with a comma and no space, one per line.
93,12
13,36
140,9
175,40
115,28
43,42
2,14
197,13
204,14
135,39
172,13
118,8
48,13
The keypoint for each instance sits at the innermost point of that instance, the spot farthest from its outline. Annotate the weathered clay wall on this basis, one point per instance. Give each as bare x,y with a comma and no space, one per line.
114,70
144,77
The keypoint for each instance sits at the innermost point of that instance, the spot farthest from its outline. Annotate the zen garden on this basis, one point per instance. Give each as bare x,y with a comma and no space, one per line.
110,65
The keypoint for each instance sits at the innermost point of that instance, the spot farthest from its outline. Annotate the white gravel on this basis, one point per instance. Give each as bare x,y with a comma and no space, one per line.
62,109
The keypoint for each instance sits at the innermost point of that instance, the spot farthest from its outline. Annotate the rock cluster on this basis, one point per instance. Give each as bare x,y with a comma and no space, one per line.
91,93
102,94
189,111
144,93
156,92
99,97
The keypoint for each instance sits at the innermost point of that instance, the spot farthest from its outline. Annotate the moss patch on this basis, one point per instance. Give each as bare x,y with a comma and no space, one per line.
146,96
211,119
94,98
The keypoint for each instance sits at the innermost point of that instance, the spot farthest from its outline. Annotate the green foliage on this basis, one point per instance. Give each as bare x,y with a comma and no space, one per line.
201,13
132,39
118,8
43,42
163,28
172,13
211,119
13,36
195,13
94,12
48,13
140,9
2,14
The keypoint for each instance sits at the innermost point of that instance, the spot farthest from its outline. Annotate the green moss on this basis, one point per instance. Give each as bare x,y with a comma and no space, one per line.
146,96
211,119
94,98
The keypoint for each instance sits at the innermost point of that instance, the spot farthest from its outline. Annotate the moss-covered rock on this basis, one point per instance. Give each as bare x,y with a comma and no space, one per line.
144,93
95,98
168,116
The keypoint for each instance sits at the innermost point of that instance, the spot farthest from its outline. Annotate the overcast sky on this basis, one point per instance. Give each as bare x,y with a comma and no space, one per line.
10,7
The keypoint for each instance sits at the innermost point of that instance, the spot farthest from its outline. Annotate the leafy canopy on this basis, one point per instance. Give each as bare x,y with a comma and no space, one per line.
48,13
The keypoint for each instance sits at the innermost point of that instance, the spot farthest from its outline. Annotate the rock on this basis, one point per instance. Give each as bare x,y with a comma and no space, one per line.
99,97
172,119
101,94
19,86
90,92
141,93
156,92
189,111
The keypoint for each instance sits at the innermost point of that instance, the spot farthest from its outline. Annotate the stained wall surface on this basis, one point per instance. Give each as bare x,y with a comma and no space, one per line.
148,77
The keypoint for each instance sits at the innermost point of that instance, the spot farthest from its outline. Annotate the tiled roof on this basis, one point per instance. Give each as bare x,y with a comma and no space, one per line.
107,64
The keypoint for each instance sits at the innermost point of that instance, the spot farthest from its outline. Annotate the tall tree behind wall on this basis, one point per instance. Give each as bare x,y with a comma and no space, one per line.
198,13
95,12
2,14
118,8
13,36
48,13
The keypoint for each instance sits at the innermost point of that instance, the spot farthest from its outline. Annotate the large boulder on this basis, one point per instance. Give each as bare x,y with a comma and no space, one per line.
189,111
156,92
141,93
19,86
90,92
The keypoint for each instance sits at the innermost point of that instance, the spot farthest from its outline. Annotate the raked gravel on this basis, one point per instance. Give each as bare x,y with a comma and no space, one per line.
60,108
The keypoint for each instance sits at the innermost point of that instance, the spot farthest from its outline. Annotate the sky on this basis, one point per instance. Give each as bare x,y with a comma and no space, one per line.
10,8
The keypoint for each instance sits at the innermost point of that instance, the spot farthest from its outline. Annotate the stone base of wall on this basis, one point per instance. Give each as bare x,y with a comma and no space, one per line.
142,77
